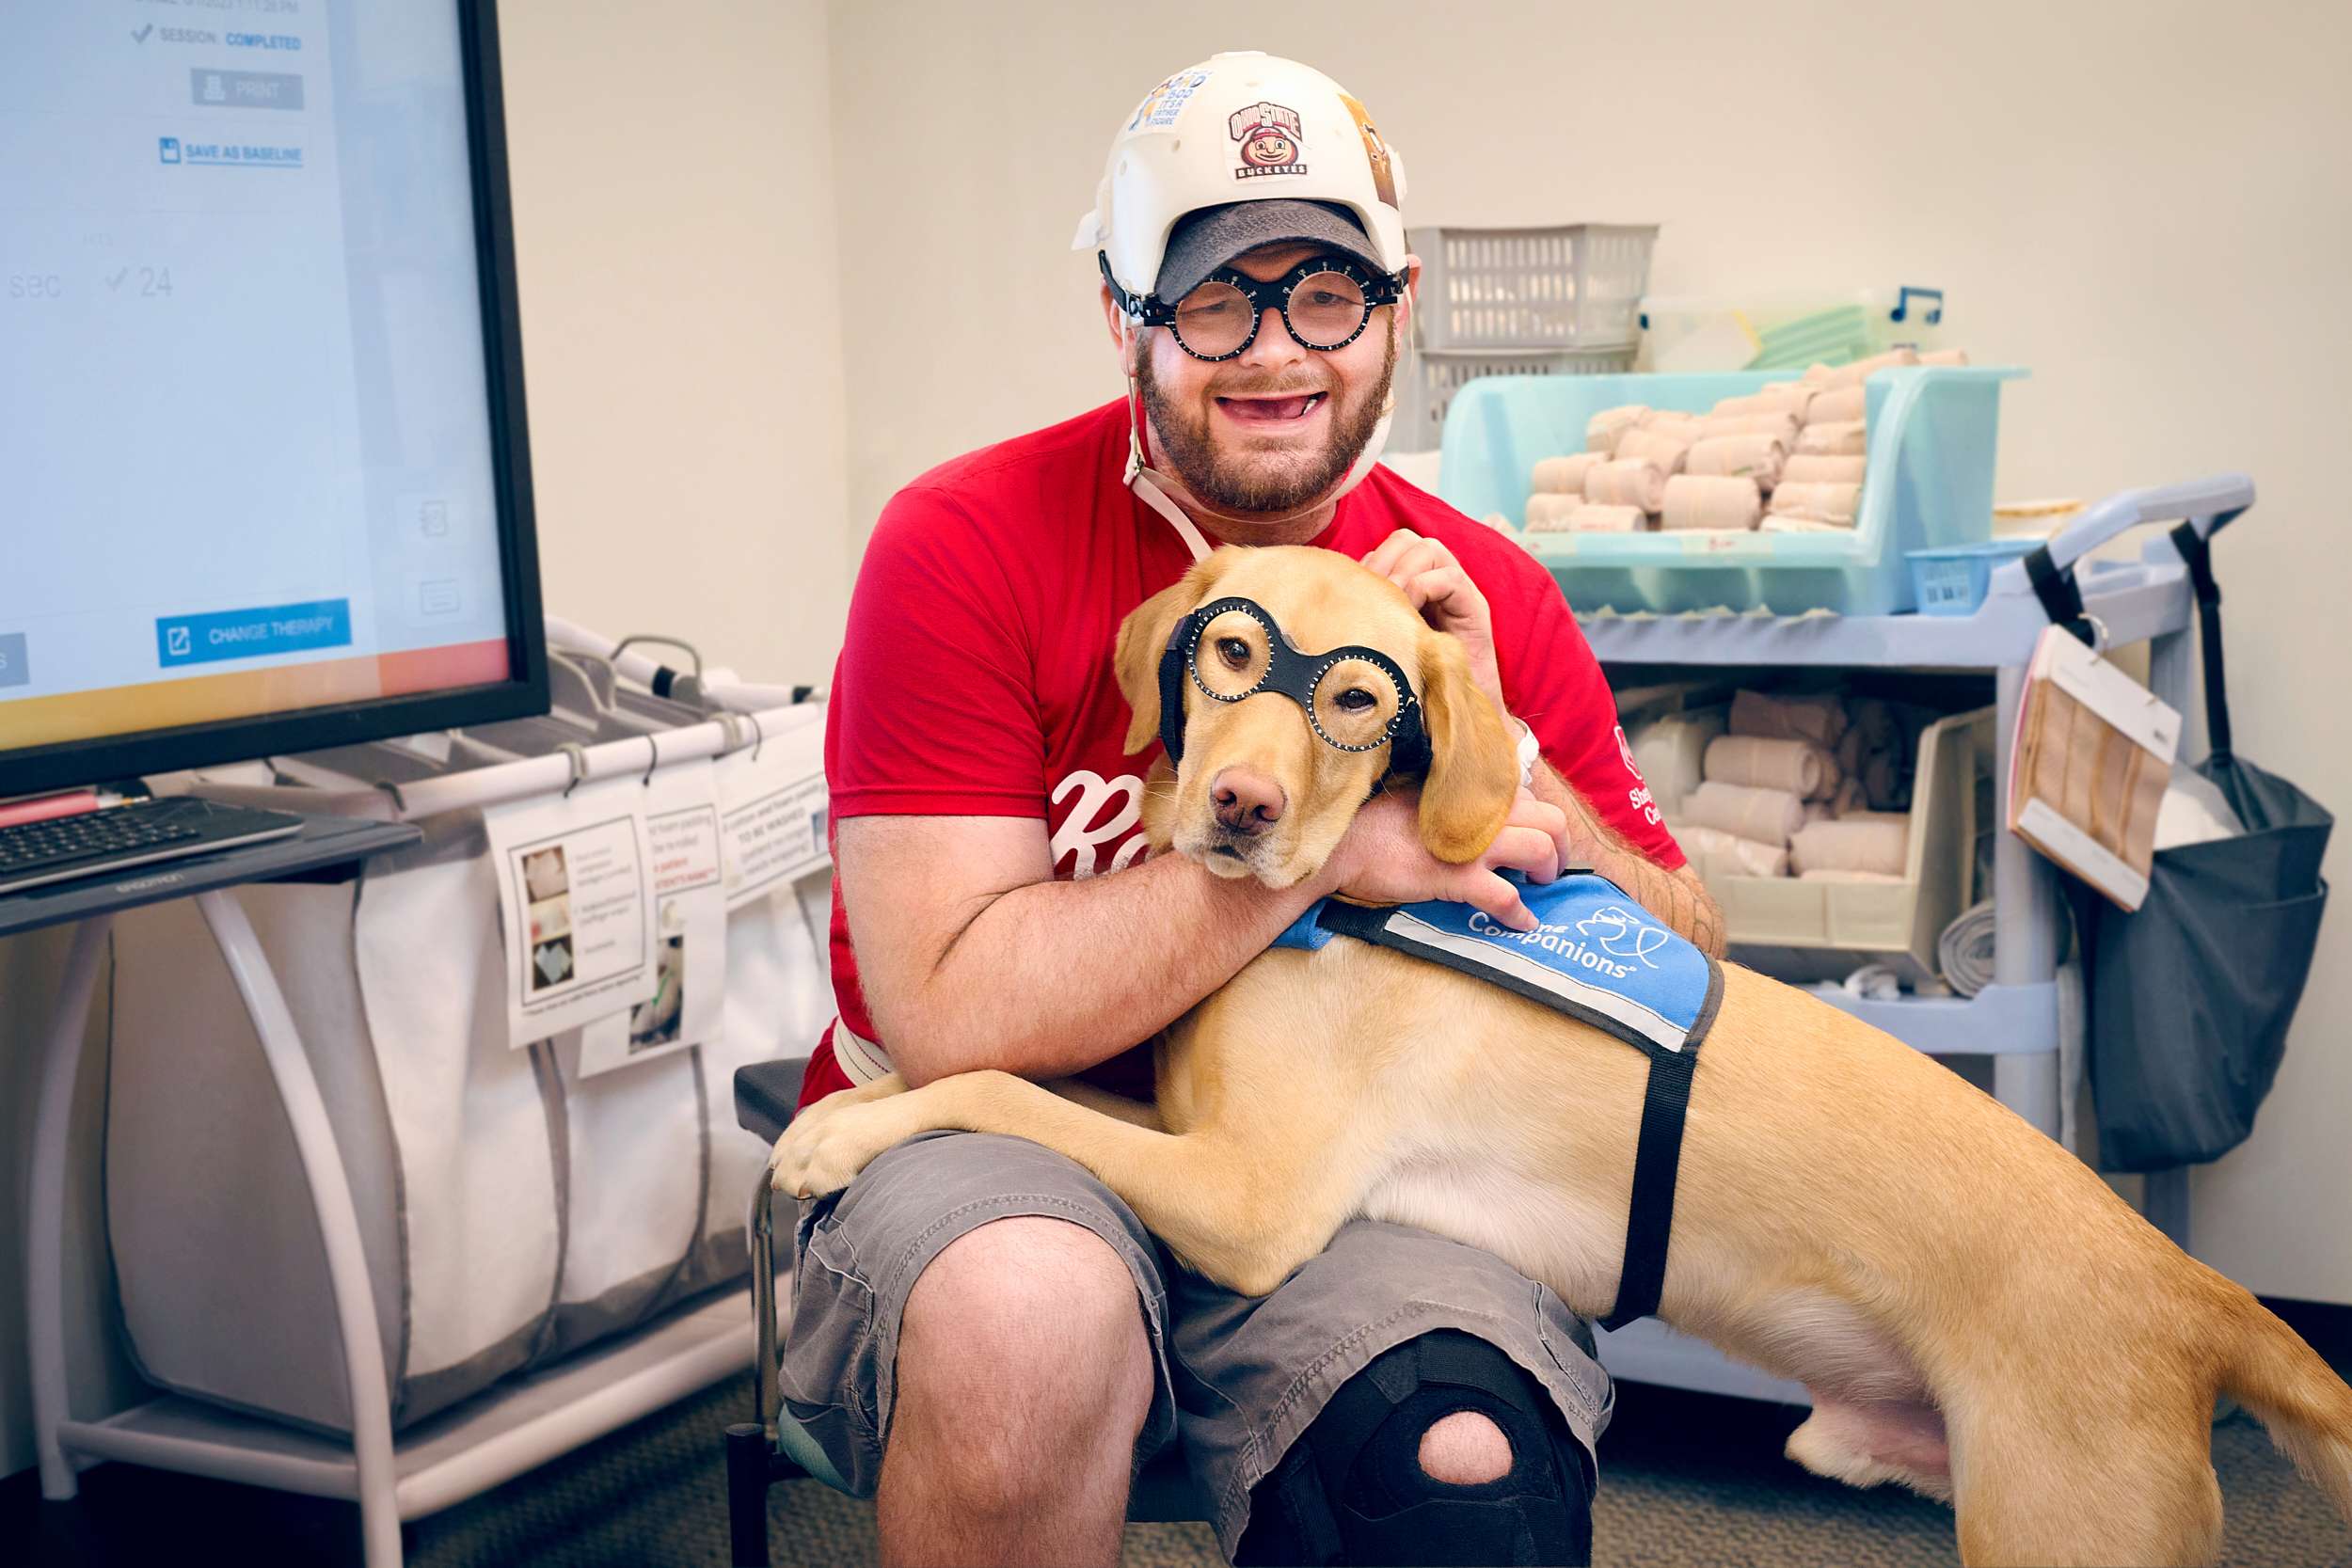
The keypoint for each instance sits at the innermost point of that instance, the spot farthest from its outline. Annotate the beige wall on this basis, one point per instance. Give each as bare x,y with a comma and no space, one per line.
673,221
2148,204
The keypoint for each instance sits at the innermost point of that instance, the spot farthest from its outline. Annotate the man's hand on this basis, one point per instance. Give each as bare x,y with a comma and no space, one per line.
1446,598
1382,859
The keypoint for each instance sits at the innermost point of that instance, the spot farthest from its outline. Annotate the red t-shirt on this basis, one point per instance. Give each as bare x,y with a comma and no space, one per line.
975,678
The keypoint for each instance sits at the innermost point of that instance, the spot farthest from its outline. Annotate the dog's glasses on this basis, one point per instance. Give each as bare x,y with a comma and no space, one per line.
1326,302
1356,699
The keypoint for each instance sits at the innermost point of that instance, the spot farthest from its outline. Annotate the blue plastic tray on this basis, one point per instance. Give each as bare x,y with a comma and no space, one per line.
1930,482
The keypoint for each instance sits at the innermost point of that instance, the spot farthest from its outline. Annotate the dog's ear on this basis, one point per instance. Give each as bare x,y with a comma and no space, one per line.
1143,636
1473,770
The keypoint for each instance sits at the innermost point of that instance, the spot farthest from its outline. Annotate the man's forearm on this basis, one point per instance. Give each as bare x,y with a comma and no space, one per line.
1054,976
1676,898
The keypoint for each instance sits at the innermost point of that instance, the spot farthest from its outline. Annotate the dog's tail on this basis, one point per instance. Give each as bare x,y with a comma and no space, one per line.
2272,1372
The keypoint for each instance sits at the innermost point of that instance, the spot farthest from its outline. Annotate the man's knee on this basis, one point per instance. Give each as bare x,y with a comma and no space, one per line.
1027,1324
1441,1450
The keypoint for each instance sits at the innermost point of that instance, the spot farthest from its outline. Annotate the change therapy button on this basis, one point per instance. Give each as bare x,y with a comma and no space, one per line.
288,628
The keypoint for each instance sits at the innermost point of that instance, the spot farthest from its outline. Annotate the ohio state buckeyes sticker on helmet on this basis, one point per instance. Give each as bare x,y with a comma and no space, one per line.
1269,138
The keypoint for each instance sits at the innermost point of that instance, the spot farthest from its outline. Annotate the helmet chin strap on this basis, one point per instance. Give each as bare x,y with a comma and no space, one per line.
1152,486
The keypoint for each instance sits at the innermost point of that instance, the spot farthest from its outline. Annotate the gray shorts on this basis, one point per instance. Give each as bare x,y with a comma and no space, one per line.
1242,1375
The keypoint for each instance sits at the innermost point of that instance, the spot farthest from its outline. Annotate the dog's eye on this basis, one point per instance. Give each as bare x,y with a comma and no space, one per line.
1354,700
1234,651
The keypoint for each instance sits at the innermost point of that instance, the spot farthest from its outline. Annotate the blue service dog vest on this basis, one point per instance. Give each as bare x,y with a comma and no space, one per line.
1597,957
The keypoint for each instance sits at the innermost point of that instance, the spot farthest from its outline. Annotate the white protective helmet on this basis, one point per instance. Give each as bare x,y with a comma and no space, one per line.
1245,126
1240,127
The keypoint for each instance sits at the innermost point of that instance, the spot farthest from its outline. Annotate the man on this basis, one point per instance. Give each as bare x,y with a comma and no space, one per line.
984,1336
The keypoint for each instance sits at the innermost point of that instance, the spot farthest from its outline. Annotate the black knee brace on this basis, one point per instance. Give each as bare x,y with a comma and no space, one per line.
1351,1490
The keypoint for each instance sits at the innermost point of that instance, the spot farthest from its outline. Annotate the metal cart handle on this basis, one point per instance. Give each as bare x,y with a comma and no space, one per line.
2208,503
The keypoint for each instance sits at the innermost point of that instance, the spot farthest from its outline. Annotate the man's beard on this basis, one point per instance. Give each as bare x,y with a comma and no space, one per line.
1262,483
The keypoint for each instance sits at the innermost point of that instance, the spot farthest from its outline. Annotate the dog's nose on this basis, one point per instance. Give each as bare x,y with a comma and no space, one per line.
1247,800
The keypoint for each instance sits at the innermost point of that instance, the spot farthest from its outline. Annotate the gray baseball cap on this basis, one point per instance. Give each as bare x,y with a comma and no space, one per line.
1208,238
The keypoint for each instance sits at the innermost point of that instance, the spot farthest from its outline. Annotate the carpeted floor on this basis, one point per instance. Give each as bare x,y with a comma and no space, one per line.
1686,1481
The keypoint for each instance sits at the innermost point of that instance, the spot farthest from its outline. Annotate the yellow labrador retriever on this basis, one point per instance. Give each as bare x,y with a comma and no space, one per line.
1974,1313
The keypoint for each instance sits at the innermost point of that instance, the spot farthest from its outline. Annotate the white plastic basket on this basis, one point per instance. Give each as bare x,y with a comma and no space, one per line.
1424,395
1574,285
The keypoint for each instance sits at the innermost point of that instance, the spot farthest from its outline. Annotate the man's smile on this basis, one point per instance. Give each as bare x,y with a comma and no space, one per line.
1272,410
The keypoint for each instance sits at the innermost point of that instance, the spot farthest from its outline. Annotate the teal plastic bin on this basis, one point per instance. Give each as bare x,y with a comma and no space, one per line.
1928,483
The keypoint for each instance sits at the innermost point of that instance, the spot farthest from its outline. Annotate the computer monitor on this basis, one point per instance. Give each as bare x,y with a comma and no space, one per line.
264,480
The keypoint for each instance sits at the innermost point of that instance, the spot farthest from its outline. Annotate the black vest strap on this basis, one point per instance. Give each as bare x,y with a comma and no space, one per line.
2198,551
1657,1161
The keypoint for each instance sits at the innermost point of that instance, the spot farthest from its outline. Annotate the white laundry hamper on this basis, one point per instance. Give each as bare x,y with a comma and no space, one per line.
511,1212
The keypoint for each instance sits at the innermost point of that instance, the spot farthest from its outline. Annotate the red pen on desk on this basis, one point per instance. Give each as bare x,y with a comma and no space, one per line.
40,808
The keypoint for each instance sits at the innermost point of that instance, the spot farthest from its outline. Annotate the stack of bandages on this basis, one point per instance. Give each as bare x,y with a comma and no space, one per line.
1780,795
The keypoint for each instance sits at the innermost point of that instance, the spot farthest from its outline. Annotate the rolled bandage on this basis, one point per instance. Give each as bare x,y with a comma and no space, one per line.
1852,844
1673,422
1850,797
1565,475
1593,517
1800,768
1822,503
1767,815
1808,468
1845,438
1890,818
1820,719
1787,397
1776,522
1761,458
1817,374
1780,427
1746,857
1838,404
1603,429
1717,501
1548,511
1946,357
1627,481
1664,448
1863,369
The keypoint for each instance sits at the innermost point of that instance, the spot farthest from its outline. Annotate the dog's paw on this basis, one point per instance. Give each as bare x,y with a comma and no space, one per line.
824,1150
